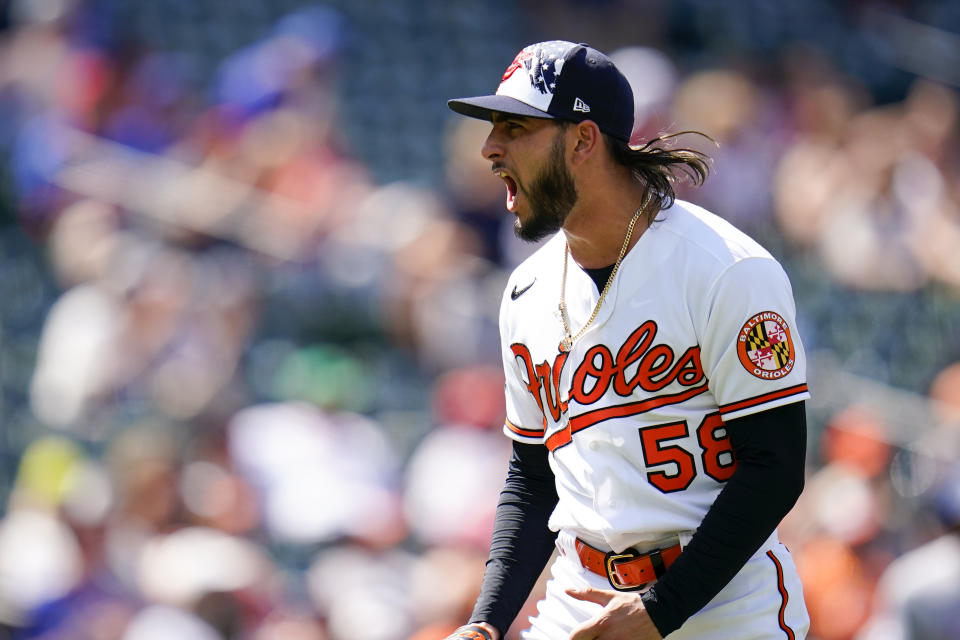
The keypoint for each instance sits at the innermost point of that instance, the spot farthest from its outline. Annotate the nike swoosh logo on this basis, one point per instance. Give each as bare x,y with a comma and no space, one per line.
516,293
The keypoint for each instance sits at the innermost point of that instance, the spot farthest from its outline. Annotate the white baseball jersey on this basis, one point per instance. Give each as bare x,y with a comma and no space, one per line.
698,327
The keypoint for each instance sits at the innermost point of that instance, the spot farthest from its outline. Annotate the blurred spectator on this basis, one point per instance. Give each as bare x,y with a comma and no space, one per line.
732,110
871,193
654,79
840,513
836,589
918,595
945,394
319,477
163,323
363,594
452,485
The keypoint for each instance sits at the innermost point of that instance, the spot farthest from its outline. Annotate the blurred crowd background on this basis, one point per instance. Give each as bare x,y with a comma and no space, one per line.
250,267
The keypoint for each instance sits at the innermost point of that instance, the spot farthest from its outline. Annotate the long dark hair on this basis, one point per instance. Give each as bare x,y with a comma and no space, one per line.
658,166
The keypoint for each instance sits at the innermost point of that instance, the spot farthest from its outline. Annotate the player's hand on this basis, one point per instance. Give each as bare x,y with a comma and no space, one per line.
623,617
475,631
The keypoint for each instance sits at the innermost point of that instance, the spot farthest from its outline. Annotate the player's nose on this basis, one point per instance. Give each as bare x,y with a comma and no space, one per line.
493,146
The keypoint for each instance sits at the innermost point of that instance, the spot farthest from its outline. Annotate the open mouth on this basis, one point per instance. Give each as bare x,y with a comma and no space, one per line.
511,189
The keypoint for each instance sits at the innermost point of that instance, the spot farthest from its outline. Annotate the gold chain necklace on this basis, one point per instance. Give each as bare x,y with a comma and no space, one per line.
567,342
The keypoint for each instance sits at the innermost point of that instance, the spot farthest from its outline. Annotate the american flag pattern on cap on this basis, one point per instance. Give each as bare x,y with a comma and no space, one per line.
532,76
559,79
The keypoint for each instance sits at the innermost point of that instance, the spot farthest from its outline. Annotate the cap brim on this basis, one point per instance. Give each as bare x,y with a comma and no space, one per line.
483,107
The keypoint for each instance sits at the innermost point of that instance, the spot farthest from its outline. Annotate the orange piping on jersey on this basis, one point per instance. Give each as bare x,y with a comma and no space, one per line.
761,399
590,418
784,598
520,431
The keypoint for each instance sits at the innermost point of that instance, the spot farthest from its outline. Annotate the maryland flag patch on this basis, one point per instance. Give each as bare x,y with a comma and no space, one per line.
765,346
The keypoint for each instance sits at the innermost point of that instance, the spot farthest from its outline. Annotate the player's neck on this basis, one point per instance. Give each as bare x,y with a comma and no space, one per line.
595,230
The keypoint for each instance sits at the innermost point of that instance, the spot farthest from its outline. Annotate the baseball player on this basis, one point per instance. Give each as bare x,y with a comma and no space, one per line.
655,381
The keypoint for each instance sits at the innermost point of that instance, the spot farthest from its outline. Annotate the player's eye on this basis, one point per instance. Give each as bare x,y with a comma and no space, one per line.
510,127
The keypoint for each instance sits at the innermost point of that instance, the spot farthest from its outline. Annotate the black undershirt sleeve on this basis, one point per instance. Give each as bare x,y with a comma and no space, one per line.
521,542
770,448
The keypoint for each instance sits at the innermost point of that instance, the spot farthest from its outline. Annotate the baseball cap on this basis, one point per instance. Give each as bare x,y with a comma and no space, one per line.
560,79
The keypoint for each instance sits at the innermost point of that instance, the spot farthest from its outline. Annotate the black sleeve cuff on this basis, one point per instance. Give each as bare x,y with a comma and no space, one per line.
658,615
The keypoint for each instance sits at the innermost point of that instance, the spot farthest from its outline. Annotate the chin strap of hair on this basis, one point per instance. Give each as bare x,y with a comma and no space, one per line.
470,632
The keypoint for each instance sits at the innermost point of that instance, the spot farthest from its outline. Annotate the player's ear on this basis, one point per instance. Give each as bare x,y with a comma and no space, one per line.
587,139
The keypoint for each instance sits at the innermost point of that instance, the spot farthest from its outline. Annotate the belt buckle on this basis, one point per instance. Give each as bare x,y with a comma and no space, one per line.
609,562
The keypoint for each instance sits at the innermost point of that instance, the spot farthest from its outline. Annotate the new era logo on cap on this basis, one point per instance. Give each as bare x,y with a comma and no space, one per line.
560,79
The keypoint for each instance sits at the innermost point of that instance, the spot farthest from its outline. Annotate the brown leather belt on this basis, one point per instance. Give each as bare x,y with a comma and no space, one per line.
629,570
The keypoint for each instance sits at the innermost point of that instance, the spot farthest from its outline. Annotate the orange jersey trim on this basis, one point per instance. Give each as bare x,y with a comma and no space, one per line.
784,598
762,399
590,418
520,431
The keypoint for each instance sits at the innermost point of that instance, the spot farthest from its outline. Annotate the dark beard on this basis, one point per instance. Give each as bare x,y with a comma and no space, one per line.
552,195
